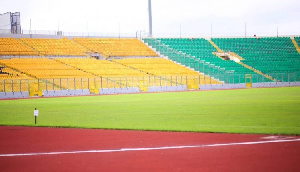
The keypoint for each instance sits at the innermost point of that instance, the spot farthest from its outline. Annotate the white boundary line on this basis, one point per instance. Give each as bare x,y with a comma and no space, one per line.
147,149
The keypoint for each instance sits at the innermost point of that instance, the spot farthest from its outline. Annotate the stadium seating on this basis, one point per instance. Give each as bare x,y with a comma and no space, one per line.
52,74
55,47
167,68
12,80
103,68
44,68
8,73
189,62
14,47
113,47
269,55
112,74
198,54
157,66
297,39
297,43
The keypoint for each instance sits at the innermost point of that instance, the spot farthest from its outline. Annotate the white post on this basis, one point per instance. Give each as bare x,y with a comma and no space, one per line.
150,18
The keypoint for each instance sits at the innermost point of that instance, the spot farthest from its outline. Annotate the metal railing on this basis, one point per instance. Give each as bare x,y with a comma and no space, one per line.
143,83
179,34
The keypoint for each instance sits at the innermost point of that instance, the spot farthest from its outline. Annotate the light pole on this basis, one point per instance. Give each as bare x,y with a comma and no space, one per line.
136,33
180,31
210,30
119,30
30,28
150,18
277,29
245,29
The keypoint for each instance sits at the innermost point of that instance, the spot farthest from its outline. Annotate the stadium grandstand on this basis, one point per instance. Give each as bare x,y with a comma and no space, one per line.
80,65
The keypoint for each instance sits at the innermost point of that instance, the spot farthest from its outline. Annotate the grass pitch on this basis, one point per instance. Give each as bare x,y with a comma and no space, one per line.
265,110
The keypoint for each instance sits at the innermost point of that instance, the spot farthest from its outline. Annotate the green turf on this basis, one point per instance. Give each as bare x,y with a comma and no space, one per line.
266,110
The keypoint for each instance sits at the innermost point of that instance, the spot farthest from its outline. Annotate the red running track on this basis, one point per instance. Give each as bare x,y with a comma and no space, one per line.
57,149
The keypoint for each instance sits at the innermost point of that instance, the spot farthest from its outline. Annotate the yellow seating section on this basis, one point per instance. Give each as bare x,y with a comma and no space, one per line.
12,46
83,73
116,47
157,66
12,74
11,80
44,68
55,47
112,74
102,68
164,67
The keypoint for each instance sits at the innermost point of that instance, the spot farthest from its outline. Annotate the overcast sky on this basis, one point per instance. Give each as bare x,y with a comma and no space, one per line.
200,17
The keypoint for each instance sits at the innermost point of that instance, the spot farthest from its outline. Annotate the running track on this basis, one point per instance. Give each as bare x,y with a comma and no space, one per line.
59,149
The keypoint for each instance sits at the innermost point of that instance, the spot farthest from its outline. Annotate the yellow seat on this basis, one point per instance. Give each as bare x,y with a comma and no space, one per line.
116,47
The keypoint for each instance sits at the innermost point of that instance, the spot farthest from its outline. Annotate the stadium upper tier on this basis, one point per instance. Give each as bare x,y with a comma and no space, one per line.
268,55
116,47
55,47
296,42
297,39
14,47
110,47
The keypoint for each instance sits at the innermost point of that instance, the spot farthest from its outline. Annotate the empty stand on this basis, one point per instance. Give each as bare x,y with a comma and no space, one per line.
198,54
51,74
8,73
131,66
55,47
14,47
167,69
272,56
44,68
112,74
157,66
113,47
103,68
296,42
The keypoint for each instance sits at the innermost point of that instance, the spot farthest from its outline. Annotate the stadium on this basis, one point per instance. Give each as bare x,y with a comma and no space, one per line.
141,102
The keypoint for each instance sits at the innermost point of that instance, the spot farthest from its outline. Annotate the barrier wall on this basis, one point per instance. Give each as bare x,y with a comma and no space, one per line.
10,89
14,95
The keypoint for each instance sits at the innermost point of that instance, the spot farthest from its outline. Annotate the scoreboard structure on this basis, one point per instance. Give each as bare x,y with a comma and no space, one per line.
10,23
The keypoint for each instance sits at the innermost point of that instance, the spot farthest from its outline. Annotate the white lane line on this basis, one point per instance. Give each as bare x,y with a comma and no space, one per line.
147,149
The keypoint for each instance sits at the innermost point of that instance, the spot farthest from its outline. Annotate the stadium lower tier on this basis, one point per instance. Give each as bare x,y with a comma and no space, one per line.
87,73
94,84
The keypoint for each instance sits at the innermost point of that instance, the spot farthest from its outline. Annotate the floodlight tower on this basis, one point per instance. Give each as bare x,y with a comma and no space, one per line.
150,18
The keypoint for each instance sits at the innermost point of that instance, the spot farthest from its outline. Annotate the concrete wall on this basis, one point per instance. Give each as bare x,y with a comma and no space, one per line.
222,86
167,88
14,95
243,85
103,91
275,84
119,90
51,93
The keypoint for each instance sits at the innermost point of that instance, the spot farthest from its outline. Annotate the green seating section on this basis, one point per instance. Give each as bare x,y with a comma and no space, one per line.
198,54
297,40
271,56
